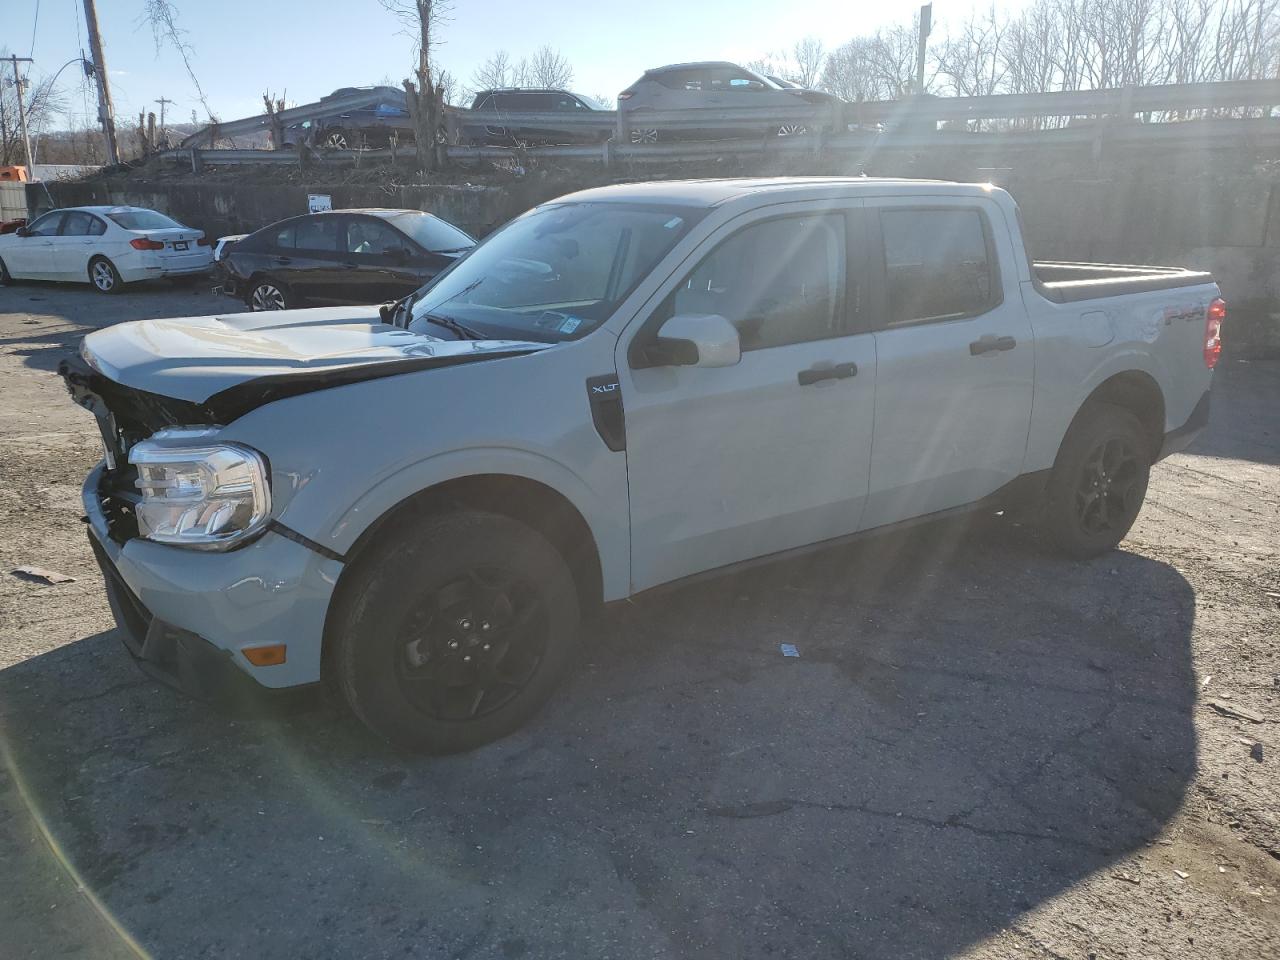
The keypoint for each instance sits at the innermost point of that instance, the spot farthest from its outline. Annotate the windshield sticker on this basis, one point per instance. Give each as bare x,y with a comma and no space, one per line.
569,324
673,223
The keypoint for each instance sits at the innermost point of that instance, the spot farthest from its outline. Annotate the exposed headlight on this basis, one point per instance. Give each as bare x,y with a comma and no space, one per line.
199,493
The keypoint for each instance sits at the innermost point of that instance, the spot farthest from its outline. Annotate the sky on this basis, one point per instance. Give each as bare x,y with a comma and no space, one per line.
307,48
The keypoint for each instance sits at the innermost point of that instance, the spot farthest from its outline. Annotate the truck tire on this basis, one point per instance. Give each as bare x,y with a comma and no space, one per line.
1098,482
453,629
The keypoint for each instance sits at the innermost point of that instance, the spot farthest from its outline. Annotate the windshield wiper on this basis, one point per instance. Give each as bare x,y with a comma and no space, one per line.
462,331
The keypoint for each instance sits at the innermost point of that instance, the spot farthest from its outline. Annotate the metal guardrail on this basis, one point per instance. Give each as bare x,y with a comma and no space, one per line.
1168,98
1260,132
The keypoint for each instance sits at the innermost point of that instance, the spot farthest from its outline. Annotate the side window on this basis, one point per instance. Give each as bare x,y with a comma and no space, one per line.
96,227
780,281
372,237
318,234
46,226
284,238
76,224
937,265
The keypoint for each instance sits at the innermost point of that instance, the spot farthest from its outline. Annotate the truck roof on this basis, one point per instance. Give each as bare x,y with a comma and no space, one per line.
713,192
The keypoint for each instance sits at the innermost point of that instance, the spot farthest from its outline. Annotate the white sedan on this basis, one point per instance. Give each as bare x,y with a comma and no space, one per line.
107,246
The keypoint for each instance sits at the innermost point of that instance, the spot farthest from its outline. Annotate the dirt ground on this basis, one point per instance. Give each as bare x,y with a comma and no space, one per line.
982,751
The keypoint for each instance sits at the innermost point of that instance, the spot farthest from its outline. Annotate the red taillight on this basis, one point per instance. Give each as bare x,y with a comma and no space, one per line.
142,243
204,242
1213,318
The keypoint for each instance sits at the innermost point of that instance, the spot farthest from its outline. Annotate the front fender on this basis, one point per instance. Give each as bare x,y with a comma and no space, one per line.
606,521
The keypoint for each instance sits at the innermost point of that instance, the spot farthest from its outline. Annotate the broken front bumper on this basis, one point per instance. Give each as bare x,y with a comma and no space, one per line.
187,615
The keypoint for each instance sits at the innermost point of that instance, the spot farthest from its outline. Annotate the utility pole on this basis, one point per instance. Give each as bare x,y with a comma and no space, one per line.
162,101
106,112
926,27
19,85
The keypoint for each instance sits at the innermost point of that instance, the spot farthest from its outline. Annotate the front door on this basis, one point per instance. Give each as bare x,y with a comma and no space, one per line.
380,262
955,359
731,463
31,256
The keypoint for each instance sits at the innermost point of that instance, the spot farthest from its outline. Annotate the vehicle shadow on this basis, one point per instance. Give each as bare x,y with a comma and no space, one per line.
1242,417
970,728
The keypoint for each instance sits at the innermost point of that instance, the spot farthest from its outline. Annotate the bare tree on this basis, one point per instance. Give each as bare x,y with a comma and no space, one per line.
423,96
972,62
494,73
162,17
548,67
808,55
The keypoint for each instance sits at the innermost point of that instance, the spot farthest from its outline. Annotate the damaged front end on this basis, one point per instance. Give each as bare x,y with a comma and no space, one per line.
125,416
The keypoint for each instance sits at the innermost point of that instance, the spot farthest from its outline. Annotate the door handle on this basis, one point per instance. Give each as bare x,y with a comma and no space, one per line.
990,344
284,260
839,371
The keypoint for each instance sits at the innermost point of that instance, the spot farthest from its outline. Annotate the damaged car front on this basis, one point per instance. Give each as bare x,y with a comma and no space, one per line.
205,582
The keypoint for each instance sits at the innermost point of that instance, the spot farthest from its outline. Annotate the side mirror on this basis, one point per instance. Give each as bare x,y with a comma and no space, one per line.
698,340
22,232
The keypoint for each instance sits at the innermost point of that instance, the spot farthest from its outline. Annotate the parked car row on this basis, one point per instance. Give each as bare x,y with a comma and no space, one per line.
335,257
679,86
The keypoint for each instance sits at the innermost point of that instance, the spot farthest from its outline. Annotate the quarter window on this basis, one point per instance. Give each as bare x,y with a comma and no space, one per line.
780,281
937,265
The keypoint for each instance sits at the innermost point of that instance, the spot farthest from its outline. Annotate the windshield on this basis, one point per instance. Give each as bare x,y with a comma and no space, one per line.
431,233
143,220
556,273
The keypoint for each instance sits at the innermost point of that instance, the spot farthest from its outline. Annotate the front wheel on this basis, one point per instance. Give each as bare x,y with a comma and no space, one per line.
454,630
104,276
1098,482
6,279
644,135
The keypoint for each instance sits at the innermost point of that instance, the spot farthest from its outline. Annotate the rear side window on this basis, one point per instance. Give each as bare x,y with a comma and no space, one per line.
318,234
779,282
682,79
938,265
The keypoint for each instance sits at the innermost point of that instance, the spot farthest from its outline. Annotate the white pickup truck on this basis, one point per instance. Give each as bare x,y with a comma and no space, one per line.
620,389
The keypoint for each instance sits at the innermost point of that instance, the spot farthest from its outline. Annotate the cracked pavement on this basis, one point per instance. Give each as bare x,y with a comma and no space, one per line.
982,750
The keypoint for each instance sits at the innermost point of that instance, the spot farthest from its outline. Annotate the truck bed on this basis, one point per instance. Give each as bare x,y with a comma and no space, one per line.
1065,282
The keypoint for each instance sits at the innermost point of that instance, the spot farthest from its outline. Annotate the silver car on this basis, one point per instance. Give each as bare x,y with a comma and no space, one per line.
714,83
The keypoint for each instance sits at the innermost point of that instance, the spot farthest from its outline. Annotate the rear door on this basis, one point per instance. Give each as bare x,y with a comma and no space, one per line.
75,243
954,356
298,260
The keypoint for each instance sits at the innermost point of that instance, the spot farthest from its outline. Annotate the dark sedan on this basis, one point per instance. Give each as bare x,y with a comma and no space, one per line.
340,257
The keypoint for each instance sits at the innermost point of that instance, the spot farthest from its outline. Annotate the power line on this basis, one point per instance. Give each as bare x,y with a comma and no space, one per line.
34,25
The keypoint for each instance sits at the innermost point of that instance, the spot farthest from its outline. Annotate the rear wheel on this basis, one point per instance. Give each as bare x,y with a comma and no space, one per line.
454,631
104,276
1098,483
792,130
268,295
337,140
644,135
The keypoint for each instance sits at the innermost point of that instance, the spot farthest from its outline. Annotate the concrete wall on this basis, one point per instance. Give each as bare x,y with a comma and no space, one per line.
1211,208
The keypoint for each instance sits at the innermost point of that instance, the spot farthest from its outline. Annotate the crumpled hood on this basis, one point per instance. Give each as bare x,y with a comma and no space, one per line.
199,358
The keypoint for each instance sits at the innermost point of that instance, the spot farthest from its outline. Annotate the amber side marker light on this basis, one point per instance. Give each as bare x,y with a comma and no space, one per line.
269,656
